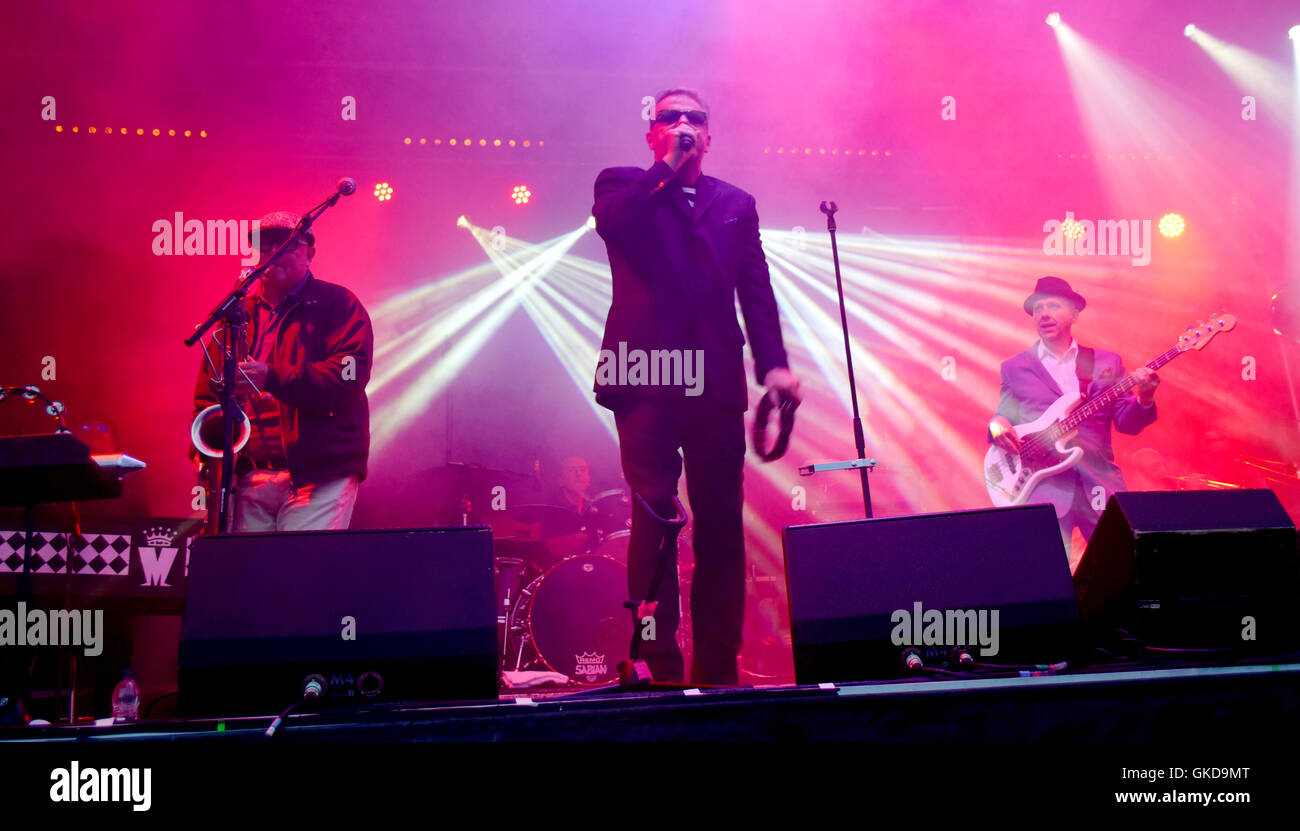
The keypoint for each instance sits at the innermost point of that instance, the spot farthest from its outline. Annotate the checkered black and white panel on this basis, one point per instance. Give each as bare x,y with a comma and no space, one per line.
49,552
106,555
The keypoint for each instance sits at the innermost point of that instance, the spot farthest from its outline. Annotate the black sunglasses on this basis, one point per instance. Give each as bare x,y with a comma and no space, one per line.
697,117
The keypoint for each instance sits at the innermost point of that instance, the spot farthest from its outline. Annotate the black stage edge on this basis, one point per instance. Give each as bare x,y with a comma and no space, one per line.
1169,703
1217,740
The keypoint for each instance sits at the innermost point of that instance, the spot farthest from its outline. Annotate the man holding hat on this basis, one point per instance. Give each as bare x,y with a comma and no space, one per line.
1054,366
303,387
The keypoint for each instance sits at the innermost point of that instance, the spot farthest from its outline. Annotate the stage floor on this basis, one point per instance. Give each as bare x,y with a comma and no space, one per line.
1171,702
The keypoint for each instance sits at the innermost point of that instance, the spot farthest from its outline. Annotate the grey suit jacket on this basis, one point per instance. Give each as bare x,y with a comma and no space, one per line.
1028,390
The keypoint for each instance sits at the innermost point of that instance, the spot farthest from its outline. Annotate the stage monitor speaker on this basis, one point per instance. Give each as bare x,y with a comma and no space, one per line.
391,615
1187,568
861,593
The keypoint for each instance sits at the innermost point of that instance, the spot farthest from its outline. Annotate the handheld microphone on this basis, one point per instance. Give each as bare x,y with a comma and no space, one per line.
685,141
347,187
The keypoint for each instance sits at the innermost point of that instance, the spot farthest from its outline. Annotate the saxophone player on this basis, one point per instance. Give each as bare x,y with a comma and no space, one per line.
302,386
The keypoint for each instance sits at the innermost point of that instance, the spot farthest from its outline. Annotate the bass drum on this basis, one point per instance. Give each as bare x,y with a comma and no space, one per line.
577,622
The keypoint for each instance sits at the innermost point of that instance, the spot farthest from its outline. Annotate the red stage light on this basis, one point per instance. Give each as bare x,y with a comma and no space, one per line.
521,194
383,191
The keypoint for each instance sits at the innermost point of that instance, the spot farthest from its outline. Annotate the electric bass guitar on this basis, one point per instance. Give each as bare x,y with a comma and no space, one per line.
1044,449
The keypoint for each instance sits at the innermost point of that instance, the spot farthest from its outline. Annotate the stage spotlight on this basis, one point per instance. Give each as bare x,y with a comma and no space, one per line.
521,194
383,192
462,222
1189,29
1054,19
1073,229
591,222
1294,33
1171,225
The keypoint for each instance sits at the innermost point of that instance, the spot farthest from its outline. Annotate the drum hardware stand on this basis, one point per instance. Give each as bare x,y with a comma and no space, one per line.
635,672
861,463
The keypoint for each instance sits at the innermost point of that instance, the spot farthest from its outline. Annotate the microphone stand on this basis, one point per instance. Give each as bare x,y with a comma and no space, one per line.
232,312
862,463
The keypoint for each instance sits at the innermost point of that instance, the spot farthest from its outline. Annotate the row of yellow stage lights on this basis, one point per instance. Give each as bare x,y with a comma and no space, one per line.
821,151
520,194
470,142
1171,225
139,131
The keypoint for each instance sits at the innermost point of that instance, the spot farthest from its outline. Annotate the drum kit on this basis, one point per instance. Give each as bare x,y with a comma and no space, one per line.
561,579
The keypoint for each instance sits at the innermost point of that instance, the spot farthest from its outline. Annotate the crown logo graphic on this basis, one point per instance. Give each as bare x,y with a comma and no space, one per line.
159,537
590,658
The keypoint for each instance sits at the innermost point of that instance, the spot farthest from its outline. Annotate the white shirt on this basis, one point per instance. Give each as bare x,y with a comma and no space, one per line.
1063,369
689,190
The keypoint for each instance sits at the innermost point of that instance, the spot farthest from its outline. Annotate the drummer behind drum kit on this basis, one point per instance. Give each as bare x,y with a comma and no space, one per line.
561,584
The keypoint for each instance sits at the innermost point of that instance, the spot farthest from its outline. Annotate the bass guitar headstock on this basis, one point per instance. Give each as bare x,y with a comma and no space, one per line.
1202,332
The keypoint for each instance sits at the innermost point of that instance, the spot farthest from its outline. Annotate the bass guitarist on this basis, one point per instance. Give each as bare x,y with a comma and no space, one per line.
1054,366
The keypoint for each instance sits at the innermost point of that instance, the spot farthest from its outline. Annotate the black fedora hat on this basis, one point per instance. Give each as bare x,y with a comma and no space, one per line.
1054,287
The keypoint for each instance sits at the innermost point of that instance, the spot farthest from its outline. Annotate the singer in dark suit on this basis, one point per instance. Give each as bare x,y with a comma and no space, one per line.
682,247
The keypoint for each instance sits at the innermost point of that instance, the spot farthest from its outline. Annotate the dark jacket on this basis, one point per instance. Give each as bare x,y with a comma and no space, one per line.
324,414
1028,390
677,272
